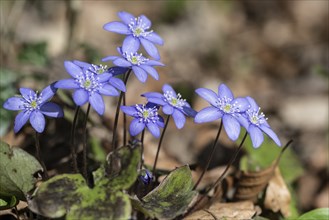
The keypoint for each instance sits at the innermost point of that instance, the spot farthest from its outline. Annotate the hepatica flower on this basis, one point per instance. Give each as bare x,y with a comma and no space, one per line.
140,65
89,85
225,106
144,116
172,104
137,31
258,124
33,107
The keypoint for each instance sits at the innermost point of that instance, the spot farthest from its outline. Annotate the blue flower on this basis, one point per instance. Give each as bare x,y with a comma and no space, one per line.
137,31
145,176
172,104
144,116
112,71
89,86
224,106
258,123
33,106
140,65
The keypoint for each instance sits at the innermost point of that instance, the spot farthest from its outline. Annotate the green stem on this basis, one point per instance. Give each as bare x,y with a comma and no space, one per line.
210,156
38,155
84,151
116,119
72,138
159,146
142,149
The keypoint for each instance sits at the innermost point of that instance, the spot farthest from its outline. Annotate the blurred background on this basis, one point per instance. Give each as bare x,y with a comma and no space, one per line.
274,51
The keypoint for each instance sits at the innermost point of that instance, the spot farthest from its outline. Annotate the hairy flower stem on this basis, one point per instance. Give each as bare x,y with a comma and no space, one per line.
142,150
38,155
116,119
84,151
73,148
160,142
210,156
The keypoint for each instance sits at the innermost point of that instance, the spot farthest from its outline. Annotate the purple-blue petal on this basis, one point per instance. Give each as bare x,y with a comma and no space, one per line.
14,103
117,70
154,38
243,120
154,129
82,64
150,48
47,93
231,126
147,23
122,62
208,95
242,103
21,120
267,130
179,118
154,63
253,104
108,90
153,95
126,17
130,44
256,136
160,122
140,74
97,102
117,27
158,101
38,121
80,97
167,88
110,58
117,83
129,110
73,69
208,114
189,111
67,84
104,77
224,92
52,110
136,127
27,92
168,109
150,70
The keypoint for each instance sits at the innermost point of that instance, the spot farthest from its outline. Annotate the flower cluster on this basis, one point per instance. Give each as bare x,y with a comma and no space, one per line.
235,112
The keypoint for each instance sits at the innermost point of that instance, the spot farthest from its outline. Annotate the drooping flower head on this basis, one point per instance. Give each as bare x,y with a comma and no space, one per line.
257,124
137,31
145,177
144,116
89,86
172,104
33,106
224,106
140,65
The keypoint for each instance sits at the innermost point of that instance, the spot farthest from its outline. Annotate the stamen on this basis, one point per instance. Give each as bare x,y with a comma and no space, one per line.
176,102
135,58
225,104
138,28
89,81
255,117
32,102
147,115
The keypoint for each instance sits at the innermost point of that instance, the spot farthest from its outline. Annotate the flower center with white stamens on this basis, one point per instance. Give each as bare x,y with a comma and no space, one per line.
176,102
225,104
33,102
99,69
138,28
255,117
135,58
147,115
88,81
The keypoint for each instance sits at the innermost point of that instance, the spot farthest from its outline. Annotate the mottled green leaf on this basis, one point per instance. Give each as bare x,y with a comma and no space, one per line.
316,214
171,198
69,194
7,202
17,169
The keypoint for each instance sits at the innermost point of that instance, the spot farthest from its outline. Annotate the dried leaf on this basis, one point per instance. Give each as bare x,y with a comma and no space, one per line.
277,197
227,211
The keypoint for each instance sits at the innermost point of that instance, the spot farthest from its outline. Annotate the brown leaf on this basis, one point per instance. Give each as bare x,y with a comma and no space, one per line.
228,211
277,197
